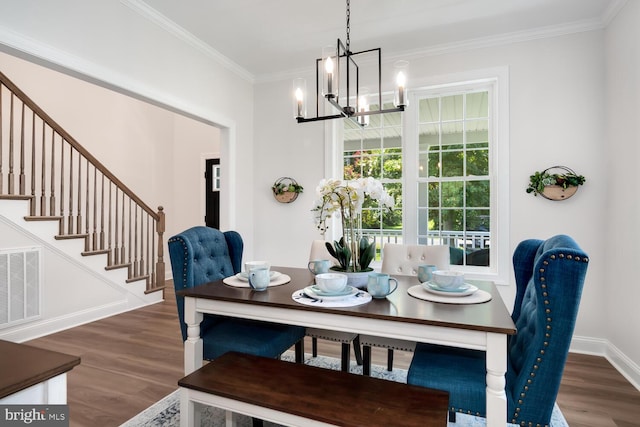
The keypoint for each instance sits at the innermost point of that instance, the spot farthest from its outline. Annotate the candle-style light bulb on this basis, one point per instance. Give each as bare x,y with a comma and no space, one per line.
328,67
401,81
299,91
400,92
299,99
363,103
363,106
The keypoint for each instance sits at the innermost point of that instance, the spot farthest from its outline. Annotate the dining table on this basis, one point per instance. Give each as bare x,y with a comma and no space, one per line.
481,326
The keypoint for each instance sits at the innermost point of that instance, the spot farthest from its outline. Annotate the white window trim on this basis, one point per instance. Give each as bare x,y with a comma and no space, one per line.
500,264
499,271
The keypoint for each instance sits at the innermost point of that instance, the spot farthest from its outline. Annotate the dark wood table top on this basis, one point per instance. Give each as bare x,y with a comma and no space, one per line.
491,316
22,366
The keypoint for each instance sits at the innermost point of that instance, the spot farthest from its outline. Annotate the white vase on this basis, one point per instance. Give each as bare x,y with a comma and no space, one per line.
357,279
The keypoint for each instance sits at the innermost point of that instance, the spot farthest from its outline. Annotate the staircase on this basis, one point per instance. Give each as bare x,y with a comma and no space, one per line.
56,193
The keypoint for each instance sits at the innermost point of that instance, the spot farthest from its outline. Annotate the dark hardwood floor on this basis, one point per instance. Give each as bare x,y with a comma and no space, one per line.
132,360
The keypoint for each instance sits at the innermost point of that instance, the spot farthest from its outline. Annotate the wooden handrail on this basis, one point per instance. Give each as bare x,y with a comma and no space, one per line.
71,140
92,202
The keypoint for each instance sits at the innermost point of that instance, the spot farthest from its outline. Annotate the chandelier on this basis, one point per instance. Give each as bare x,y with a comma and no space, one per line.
338,78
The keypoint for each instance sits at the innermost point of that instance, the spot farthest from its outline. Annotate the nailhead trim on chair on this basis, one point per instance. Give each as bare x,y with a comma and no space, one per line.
184,265
546,302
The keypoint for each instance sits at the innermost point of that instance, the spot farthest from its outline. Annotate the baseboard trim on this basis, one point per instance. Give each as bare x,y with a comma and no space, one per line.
588,345
33,330
601,347
627,367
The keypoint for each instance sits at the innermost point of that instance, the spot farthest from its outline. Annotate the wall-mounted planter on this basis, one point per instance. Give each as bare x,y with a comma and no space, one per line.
555,183
286,190
557,192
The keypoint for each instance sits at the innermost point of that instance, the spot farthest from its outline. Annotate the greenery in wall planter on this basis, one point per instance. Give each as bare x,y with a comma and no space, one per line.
286,189
555,183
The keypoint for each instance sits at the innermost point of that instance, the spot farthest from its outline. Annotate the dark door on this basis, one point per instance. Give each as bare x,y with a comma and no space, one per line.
212,181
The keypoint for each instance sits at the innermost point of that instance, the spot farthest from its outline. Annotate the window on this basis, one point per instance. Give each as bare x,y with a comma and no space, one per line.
454,183
376,151
445,162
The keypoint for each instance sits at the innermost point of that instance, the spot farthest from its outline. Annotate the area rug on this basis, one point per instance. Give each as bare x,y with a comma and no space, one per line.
166,412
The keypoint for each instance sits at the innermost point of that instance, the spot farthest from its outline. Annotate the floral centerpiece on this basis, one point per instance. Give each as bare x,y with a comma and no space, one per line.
353,251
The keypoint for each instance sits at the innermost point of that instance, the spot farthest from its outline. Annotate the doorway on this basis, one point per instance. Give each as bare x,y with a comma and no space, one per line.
212,193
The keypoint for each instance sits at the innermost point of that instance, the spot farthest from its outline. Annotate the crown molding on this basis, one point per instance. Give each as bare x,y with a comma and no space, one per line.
40,53
146,11
612,11
503,39
480,43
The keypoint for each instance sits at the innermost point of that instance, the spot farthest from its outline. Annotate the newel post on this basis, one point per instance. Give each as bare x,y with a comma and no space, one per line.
160,264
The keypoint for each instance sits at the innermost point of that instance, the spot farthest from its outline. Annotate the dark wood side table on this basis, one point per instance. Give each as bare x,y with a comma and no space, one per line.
31,375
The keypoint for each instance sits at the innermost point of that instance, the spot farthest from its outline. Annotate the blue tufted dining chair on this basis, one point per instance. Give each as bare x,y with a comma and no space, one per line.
202,254
549,279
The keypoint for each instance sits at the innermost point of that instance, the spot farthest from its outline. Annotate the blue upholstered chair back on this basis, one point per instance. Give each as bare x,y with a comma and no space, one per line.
549,277
200,255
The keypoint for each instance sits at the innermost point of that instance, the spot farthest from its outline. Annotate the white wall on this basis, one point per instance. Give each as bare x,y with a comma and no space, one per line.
110,43
193,142
557,117
622,46
284,231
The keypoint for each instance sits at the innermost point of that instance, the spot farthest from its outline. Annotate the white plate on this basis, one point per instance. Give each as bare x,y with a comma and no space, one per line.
315,292
433,285
460,292
245,277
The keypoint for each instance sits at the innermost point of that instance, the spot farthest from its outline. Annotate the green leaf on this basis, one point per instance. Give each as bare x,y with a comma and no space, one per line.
367,252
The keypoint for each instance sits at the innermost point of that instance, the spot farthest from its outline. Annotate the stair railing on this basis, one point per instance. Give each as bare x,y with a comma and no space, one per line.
43,163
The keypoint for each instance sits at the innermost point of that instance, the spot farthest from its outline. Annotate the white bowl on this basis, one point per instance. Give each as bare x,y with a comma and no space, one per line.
250,265
448,279
331,282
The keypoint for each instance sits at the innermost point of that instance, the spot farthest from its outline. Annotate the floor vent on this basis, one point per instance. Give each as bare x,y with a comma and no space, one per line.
20,287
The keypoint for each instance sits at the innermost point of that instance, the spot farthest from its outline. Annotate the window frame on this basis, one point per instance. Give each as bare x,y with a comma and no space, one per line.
499,270
496,81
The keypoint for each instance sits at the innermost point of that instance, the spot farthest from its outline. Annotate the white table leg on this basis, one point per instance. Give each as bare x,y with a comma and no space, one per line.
193,345
496,369
187,409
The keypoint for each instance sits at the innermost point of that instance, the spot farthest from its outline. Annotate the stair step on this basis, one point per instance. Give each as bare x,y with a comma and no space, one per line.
137,278
96,252
149,291
42,218
15,197
71,236
116,266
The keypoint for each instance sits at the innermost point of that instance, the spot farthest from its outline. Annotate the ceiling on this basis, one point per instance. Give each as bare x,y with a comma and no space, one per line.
268,38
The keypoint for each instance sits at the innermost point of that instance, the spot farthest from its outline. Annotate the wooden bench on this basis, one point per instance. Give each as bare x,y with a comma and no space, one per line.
300,395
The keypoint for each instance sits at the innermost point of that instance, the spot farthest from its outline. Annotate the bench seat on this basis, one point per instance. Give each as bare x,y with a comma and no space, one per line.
301,395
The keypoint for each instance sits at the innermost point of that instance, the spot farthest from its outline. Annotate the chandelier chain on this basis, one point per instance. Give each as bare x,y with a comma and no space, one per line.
348,25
